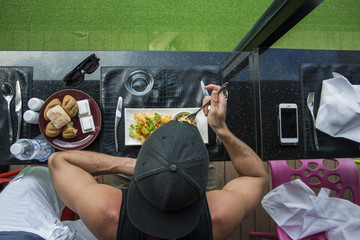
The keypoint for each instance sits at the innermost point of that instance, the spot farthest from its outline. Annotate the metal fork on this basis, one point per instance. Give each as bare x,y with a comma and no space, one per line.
192,116
310,104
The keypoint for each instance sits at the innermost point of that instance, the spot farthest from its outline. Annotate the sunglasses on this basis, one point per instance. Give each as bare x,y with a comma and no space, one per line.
77,75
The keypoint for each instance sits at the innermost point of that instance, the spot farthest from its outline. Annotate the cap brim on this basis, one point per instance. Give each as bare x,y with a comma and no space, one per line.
152,221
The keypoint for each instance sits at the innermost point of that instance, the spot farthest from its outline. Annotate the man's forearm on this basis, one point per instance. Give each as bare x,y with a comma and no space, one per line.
245,160
96,163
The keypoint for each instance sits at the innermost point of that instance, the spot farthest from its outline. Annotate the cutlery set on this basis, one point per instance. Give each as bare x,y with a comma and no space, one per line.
8,94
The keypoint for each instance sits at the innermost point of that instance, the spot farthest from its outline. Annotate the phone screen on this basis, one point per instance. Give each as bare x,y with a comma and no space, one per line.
288,123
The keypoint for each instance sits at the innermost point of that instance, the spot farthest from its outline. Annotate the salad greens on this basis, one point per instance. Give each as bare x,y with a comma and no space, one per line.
147,127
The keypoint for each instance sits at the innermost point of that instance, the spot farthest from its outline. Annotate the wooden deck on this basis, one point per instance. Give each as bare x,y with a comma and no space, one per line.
258,220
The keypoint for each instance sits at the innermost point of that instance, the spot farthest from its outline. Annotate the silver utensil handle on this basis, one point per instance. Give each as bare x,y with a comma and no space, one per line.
11,136
116,137
314,132
116,143
19,127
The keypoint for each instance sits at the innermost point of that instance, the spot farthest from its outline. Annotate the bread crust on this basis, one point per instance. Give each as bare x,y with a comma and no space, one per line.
51,130
51,104
70,106
69,132
58,116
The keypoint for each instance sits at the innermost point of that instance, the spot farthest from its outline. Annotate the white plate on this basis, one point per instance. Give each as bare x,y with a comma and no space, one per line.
201,121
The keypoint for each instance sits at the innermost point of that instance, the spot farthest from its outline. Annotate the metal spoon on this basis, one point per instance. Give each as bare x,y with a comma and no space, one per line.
8,94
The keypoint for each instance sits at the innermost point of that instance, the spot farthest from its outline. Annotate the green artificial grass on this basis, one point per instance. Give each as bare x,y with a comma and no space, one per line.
188,25
334,24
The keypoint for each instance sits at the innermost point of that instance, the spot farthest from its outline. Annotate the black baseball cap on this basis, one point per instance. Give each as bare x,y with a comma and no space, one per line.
168,189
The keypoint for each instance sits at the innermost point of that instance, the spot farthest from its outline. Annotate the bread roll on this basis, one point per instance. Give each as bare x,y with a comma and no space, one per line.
51,130
51,104
69,131
70,106
58,116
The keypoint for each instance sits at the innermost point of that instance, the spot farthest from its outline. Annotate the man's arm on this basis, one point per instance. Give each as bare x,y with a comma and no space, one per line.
98,163
98,205
229,206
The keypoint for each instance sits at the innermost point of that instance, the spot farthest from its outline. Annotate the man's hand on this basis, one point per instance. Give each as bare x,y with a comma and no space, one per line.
216,111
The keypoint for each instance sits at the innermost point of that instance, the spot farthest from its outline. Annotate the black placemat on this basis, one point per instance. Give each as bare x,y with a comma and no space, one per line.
45,88
274,93
42,89
11,75
312,76
174,87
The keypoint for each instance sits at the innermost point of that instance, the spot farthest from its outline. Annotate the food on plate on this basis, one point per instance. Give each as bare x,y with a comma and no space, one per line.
70,106
51,130
58,116
51,104
147,124
85,117
69,132
181,117
87,124
84,108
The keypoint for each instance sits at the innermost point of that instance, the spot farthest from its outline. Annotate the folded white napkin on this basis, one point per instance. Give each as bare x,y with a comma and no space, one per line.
339,111
300,213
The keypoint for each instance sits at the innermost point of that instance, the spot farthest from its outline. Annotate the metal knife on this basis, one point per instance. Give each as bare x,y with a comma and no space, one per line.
18,108
205,92
117,120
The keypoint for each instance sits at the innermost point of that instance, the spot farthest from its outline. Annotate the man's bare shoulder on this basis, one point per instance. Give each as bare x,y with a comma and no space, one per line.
229,206
225,216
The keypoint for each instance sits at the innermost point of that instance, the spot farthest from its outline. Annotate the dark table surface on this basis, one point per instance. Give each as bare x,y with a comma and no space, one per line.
177,78
289,75
278,75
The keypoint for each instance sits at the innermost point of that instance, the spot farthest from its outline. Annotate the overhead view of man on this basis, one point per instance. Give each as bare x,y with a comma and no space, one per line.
167,197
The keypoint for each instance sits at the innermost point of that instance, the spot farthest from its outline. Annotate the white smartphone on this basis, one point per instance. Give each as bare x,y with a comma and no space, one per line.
288,124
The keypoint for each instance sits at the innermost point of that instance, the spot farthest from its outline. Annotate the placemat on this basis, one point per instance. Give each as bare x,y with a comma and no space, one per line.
10,75
274,92
312,76
41,89
44,89
174,87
